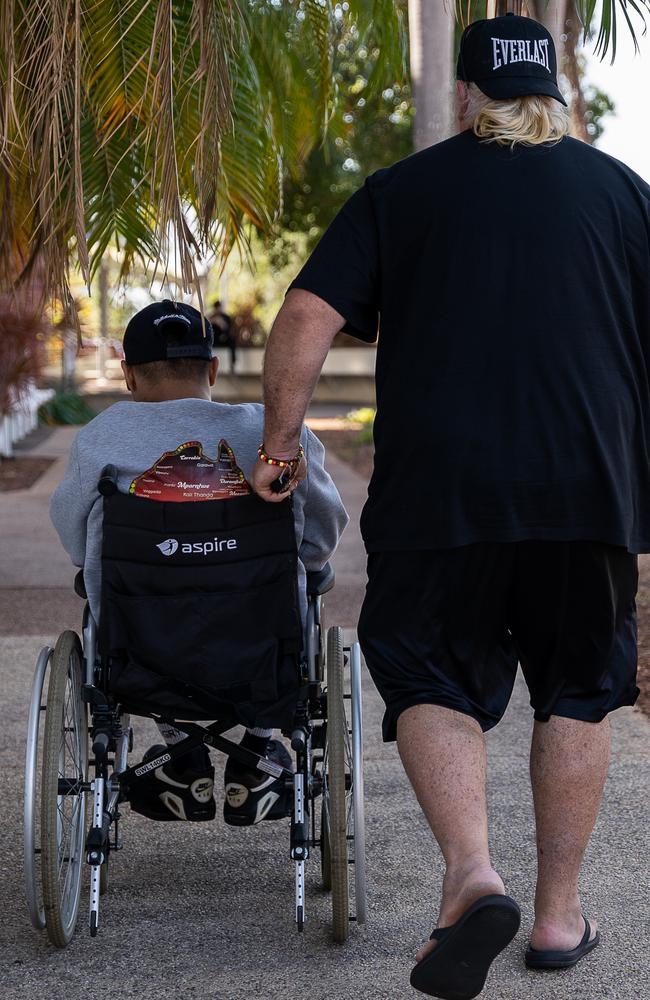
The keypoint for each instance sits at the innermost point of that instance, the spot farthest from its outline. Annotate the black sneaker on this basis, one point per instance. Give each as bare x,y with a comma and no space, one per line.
176,791
251,795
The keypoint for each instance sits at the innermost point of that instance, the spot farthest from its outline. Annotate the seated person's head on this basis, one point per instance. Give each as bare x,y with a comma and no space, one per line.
168,354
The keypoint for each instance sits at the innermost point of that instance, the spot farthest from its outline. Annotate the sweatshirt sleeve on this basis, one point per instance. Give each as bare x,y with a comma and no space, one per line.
325,515
69,509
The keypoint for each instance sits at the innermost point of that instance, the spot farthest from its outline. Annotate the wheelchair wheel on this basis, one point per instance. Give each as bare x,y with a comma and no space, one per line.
334,835
342,836
356,813
325,854
33,778
63,812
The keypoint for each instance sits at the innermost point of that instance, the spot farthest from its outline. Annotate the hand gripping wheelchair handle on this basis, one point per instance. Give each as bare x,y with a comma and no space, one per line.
107,484
280,484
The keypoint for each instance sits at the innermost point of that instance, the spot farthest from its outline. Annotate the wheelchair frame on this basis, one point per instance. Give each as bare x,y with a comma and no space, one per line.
326,740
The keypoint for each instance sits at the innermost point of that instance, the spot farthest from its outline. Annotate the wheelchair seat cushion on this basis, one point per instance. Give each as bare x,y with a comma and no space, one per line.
200,615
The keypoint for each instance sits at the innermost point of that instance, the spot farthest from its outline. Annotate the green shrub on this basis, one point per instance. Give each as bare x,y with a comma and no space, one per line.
366,417
65,408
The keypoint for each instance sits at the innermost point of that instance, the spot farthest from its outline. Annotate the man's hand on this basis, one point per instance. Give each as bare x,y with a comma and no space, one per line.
297,346
263,475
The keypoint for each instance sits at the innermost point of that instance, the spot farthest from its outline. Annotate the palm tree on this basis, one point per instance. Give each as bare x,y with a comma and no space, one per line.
163,126
431,40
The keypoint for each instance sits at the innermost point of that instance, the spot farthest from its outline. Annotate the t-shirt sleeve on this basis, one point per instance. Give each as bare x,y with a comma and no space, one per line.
343,268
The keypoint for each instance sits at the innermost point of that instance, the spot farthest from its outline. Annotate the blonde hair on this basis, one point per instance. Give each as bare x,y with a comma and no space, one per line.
530,120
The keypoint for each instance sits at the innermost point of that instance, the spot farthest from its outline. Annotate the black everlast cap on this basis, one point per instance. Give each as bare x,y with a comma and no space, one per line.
509,56
166,330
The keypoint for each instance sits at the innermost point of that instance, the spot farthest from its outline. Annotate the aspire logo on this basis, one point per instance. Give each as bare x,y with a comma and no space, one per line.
168,547
171,545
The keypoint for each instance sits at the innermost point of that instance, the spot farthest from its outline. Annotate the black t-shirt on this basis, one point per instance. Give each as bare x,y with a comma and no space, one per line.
512,365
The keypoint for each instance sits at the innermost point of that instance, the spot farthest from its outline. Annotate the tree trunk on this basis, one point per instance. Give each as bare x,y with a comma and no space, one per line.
497,8
578,104
431,32
553,15
561,19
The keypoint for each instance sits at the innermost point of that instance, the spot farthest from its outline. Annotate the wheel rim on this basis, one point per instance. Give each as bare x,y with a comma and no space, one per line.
357,791
352,739
31,821
335,801
63,814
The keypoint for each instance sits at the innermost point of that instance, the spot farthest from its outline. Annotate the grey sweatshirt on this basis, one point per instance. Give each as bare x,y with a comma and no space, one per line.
133,436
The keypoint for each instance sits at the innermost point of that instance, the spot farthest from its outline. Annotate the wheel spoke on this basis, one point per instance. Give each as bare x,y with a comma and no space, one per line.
65,841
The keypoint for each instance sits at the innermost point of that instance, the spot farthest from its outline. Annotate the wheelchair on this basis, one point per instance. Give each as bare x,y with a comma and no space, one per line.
77,773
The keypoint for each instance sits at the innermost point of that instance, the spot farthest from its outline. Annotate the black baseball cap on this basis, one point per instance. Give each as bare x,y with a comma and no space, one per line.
166,330
509,56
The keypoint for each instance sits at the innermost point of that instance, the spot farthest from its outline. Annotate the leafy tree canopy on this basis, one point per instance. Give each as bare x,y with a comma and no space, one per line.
370,128
163,127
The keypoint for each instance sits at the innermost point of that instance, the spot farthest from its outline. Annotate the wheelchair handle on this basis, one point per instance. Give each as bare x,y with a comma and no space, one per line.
278,485
107,484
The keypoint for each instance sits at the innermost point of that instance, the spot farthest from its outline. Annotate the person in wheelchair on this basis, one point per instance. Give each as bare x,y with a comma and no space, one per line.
160,443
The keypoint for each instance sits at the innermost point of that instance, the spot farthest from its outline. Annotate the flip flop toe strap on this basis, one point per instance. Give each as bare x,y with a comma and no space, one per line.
587,933
440,934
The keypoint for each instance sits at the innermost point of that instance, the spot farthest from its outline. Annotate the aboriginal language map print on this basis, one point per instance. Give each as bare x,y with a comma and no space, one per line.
188,474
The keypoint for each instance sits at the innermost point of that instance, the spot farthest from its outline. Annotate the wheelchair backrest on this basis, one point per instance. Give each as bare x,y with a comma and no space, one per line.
200,615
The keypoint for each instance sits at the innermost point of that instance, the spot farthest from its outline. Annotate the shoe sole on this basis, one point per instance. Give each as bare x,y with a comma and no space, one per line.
458,966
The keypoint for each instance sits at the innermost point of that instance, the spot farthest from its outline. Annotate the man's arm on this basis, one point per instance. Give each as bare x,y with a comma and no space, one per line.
297,347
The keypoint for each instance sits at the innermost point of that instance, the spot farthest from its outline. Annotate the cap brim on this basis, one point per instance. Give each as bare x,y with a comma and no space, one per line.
505,88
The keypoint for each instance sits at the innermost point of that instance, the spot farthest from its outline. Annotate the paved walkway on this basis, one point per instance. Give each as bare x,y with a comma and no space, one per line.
207,911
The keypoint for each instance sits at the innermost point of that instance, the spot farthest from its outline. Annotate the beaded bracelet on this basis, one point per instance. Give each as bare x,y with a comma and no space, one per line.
281,463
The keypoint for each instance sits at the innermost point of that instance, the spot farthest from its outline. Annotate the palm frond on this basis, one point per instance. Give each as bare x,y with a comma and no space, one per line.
286,91
318,15
79,208
213,38
162,126
386,21
633,12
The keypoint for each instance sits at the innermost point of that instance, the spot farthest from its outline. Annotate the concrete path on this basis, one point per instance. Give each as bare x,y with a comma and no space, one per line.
207,911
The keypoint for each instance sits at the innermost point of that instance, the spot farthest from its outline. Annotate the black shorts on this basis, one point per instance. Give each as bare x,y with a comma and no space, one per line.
448,627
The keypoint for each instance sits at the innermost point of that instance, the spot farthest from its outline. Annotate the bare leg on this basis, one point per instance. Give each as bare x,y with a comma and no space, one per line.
443,753
568,767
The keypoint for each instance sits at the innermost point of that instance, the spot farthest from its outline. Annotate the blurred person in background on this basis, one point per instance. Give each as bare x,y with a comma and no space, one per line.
224,335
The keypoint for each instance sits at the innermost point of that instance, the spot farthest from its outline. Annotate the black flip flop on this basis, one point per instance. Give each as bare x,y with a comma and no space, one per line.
457,967
547,959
